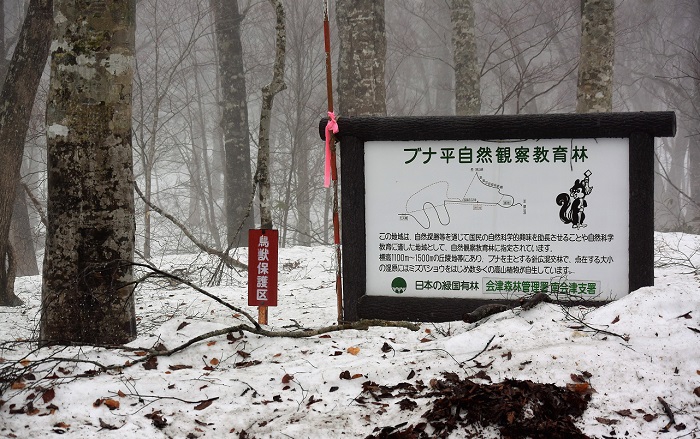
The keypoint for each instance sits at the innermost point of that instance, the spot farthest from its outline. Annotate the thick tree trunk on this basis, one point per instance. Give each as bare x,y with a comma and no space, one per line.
595,71
16,101
238,180
361,67
87,294
467,73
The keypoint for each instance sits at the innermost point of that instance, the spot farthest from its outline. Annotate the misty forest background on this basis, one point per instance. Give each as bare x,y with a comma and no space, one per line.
527,59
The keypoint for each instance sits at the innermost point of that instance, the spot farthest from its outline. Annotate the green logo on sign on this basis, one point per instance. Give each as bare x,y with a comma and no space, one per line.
398,285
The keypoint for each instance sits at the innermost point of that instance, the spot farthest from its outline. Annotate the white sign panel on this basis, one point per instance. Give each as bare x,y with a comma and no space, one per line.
497,219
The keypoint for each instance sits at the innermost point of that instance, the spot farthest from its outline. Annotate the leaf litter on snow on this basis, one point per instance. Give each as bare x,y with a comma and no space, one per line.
407,384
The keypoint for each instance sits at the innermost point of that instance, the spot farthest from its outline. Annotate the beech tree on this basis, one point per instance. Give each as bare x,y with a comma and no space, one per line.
87,294
595,72
276,85
234,122
466,61
362,59
16,101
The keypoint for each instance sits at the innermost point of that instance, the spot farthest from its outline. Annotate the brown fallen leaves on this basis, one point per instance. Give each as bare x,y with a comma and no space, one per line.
517,408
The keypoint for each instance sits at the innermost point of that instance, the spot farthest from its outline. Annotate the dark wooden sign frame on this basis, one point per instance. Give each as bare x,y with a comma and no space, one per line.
639,128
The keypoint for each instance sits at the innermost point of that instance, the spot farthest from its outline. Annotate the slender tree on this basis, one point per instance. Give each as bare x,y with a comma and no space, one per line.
87,294
234,122
269,91
595,72
466,61
361,67
16,101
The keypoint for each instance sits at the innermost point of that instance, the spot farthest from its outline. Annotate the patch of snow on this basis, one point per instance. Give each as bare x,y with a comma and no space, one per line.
57,130
635,350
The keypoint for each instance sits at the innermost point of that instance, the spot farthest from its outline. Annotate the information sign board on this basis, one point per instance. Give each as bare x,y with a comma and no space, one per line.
441,215
497,219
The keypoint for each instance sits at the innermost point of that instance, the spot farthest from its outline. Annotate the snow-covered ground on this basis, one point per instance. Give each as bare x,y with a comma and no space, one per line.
626,355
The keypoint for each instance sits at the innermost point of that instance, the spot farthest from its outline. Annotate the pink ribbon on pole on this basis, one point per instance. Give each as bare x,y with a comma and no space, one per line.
331,126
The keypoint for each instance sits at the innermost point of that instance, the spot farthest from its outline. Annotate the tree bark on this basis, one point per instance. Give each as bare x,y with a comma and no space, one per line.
595,71
275,86
16,101
87,295
361,67
238,179
467,74
693,217
21,236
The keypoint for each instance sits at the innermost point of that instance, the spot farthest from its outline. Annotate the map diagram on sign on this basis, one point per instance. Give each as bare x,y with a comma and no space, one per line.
434,201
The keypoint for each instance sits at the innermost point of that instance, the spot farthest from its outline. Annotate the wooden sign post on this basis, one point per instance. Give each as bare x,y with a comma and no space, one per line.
262,270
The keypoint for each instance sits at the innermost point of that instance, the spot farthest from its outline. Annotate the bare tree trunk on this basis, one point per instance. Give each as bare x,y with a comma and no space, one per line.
21,236
87,295
208,193
275,86
693,216
234,122
467,72
303,196
16,101
595,71
361,67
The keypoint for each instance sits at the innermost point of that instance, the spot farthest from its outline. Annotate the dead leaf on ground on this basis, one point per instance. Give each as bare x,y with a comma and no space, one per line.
112,404
24,362
607,421
287,378
211,343
204,404
48,395
697,391
578,378
626,413
179,366
182,325
121,394
615,320
214,361
151,363
18,385
353,350
157,418
580,388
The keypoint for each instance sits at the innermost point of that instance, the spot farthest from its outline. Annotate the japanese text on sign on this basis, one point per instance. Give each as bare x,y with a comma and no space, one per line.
516,218
262,267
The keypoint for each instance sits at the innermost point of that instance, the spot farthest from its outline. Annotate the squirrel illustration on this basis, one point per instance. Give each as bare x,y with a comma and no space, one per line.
572,212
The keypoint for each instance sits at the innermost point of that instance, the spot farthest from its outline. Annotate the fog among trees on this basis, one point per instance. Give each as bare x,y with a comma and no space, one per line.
201,69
